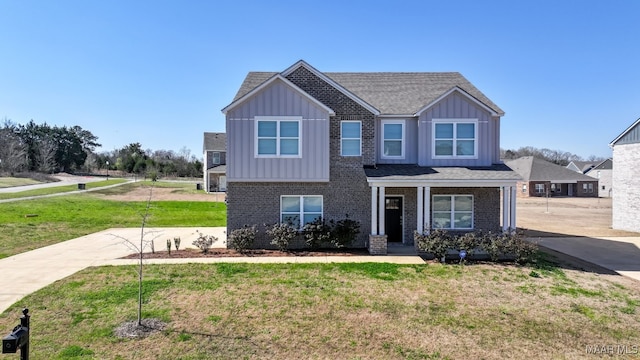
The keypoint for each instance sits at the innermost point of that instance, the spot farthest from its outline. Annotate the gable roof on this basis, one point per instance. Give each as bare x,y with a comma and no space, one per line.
388,93
215,141
630,136
240,98
604,165
581,166
533,169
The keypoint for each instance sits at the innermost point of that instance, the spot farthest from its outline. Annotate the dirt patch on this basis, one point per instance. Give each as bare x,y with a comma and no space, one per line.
165,194
219,252
553,217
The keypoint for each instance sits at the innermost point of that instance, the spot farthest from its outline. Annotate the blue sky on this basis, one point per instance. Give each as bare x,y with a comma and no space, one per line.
158,72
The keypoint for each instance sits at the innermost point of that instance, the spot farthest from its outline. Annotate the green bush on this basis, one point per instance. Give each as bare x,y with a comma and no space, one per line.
242,239
497,246
316,233
344,232
281,235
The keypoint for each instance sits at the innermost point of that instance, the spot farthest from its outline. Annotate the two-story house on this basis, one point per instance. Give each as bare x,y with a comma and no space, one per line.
397,152
214,148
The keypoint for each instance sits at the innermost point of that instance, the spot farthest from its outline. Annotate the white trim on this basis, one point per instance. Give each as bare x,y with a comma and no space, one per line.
462,92
334,84
278,120
374,210
454,122
441,183
268,82
420,202
453,212
403,140
611,144
359,138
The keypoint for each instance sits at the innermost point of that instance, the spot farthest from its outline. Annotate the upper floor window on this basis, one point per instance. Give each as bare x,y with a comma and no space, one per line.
455,138
216,158
300,210
453,211
392,138
278,136
350,138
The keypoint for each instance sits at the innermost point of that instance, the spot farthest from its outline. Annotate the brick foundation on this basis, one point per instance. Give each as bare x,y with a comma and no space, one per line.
378,244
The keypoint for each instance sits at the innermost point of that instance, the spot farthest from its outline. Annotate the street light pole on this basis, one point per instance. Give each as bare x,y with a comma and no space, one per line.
107,169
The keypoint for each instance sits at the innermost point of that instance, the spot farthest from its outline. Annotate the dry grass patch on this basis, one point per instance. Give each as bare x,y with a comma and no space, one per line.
345,311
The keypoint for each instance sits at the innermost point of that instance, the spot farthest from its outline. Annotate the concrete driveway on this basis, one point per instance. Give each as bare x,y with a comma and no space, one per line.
620,254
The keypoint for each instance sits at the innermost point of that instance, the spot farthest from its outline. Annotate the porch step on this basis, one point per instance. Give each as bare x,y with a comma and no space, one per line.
400,249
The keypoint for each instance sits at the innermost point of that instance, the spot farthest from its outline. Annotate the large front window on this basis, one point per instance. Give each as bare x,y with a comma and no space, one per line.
350,132
454,138
278,136
300,210
393,139
453,212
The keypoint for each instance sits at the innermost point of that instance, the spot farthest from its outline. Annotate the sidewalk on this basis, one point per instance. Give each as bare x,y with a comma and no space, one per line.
33,270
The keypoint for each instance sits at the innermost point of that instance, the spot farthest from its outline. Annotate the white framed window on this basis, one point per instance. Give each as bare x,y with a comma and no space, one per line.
350,138
299,210
524,187
393,140
455,138
540,188
216,158
454,212
278,136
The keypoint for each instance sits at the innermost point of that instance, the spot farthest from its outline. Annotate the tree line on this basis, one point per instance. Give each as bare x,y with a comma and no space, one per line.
559,157
47,149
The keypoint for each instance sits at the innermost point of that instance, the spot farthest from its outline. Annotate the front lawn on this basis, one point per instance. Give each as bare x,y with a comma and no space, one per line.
31,224
335,311
59,189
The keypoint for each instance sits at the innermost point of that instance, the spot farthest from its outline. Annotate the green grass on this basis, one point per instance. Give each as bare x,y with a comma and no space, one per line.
346,311
14,181
180,187
31,224
59,189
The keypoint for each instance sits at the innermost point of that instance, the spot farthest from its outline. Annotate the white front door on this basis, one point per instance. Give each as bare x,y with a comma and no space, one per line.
223,183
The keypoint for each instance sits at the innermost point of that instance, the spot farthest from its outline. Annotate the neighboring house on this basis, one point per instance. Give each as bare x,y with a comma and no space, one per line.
543,178
601,170
626,179
215,159
397,152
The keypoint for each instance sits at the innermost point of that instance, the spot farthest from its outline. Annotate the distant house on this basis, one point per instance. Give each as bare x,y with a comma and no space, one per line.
542,178
626,179
215,159
601,170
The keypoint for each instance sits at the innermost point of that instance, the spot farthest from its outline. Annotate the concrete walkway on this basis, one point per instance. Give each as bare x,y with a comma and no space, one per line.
620,254
28,272
64,180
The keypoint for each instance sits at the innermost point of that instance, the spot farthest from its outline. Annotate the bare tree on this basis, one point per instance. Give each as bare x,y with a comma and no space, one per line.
46,156
13,154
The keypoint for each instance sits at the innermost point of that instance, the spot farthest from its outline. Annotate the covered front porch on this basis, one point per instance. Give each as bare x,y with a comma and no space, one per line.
421,199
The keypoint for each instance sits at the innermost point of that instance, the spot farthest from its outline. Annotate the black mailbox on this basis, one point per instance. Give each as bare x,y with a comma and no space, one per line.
16,340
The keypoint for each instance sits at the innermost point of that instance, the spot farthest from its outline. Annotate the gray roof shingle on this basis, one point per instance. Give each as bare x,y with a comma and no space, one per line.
215,141
496,172
392,93
533,169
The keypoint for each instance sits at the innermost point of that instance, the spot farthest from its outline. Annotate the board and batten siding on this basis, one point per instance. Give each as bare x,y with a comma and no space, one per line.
410,138
278,99
456,106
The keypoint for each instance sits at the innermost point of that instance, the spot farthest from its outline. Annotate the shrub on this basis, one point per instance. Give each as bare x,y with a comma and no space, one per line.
316,233
169,246
281,235
243,238
204,242
176,242
344,232
437,242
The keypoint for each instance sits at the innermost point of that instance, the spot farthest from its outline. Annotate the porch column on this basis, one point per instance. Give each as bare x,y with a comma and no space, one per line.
420,204
512,222
427,208
381,208
506,222
374,210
